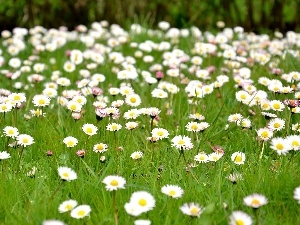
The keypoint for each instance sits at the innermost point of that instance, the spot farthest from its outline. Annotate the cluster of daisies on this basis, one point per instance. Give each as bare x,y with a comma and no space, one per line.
132,90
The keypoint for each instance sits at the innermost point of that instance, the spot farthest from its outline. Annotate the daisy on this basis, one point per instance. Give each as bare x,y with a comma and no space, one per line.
81,211
235,177
264,134
203,125
63,81
160,133
126,90
70,141
74,106
50,92
131,114
114,183
4,155
152,112
41,100
280,145
201,157
80,99
142,222
277,105
133,209
17,97
159,93
239,217
113,91
10,131
25,140
67,205
269,115
131,125
101,147
136,155
69,67
294,142
133,100
143,200
234,117
191,209
66,174
173,191
53,222
89,129
193,126
255,200
196,116
113,127
276,124
5,107
245,123
182,142
214,157
238,158
297,194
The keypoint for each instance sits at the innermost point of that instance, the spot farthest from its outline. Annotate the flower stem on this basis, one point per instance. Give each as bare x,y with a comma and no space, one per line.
115,208
19,162
262,151
56,190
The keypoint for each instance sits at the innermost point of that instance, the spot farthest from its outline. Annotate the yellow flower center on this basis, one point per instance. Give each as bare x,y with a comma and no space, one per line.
265,134
194,211
68,207
70,143
255,202
133,99
3,107
172,193
17,98
25,140
10,132
181,142
238,158
142,202
81,213
114,127
239,222
276,125
100,147
279,146
65,175
89,130
276,106
114,183
295,143
42,102
243,96
202,157
160,133
73,107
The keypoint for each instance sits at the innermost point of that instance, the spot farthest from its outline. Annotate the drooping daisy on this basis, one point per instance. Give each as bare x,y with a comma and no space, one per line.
66,173
131,125
276,124
133,209
191,209
182,142
235,177
70,141
280,145
25,140
143,200
201,157
264,134
239,218
255,200
197,116
152,112
238,158
133,100
101,147
244,123
81,211
10,131
173,191
113,127
234,117
114,183
4,155
67,205
89,129
160,133
294,142
136,155
214,156
41,100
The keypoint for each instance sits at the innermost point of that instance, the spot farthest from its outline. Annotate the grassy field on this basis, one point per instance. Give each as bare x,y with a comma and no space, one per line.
215,115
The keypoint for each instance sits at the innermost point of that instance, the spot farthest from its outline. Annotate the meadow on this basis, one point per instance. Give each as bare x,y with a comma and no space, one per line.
102,125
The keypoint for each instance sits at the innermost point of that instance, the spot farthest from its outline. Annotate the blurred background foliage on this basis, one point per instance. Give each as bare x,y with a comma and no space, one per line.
253,15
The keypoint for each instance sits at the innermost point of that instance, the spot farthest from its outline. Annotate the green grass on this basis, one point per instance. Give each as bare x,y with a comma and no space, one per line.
28,199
